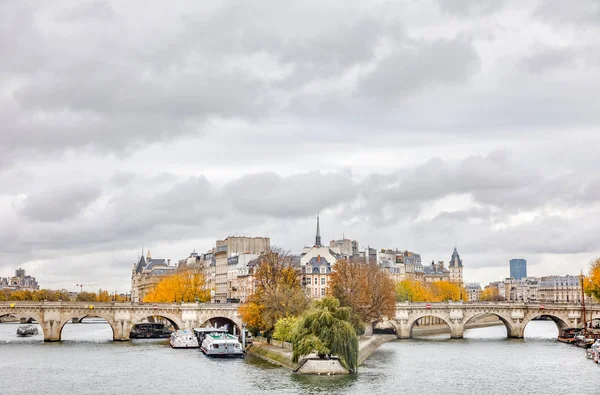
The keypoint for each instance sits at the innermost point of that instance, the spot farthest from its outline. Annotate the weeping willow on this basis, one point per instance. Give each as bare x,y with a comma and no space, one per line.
326,330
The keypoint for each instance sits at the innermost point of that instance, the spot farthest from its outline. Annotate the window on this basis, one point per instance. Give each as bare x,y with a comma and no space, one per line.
322,280
322,291
316,281
323,270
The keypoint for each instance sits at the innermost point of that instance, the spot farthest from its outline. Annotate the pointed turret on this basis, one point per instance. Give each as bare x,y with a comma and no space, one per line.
318,237
455,260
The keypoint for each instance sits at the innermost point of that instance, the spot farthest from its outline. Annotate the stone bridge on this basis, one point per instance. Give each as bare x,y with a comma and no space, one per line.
515,316
52,316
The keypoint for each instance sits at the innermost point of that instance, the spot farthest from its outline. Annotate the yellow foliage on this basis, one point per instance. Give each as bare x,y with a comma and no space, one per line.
439,291
184,286
591,284
490,294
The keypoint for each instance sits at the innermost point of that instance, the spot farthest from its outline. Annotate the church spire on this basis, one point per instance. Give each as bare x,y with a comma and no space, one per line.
318,237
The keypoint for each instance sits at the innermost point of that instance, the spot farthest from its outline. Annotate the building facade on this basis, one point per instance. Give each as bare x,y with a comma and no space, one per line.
20,281
560,289
473,291
231,247
146,273
316,263
518,268
346,247
436,272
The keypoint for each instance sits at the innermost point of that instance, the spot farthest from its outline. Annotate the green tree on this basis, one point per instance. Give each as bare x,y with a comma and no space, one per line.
285,329
326,330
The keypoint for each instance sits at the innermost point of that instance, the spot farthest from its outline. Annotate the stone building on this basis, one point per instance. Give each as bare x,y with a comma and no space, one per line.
20,281
560,289
316,263
346,247
473,291
436,272
456,268
231,247
146,273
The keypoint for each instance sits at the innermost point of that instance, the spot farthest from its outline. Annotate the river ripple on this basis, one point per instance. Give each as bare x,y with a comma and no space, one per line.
485,362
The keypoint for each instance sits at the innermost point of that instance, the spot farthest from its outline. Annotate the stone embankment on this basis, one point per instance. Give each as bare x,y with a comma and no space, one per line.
311,364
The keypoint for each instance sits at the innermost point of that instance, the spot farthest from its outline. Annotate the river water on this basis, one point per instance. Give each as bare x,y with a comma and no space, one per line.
485,362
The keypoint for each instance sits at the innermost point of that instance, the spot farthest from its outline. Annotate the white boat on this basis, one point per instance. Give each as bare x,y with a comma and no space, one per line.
27,330
220,344
184,339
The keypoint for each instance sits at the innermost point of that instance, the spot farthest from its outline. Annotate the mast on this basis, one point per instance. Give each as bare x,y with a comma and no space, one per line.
583,305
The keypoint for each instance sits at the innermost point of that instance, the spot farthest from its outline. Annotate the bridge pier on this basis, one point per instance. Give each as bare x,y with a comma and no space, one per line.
121,330
51,330
403,332
457,331
516,332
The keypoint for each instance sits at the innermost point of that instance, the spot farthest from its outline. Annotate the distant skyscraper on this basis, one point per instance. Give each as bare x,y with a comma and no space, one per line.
518,268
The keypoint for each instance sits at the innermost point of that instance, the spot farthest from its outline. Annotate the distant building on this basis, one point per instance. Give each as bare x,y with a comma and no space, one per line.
560,289
522,290
20,281
146,273
456,268
473,291
518,268
316,263
231,247
346,247
436,272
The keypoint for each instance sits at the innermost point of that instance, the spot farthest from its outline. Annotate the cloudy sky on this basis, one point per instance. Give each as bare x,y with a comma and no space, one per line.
409,124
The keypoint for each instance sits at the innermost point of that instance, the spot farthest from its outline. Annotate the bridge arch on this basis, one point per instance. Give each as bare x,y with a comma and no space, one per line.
93,314
505,320
560,320
26,316
413,320
139,317
220,321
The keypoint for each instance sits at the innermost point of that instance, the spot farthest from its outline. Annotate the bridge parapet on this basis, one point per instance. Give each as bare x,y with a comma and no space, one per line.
52,316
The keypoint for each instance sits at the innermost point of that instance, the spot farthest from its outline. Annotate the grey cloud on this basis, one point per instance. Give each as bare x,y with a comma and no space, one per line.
572,12
433,63
60,203
294,196
470,7
548,59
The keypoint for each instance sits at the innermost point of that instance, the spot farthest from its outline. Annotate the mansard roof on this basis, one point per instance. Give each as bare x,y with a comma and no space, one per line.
155,263
141,265
455,260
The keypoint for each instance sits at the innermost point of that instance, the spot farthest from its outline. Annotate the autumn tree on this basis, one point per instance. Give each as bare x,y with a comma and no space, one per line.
278,292
326,330
490,294
412,291
186,285
86,297
438,291
364,287
592,282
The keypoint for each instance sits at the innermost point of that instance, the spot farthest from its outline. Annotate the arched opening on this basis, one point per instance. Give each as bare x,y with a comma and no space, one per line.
544,326
430,327
10,323
487,326
384,328
218,322
153,327
88,328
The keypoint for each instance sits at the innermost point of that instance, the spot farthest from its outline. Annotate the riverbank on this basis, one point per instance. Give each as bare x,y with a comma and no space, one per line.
311,364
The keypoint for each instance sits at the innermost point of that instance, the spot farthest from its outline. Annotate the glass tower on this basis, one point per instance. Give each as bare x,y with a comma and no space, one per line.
518,268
